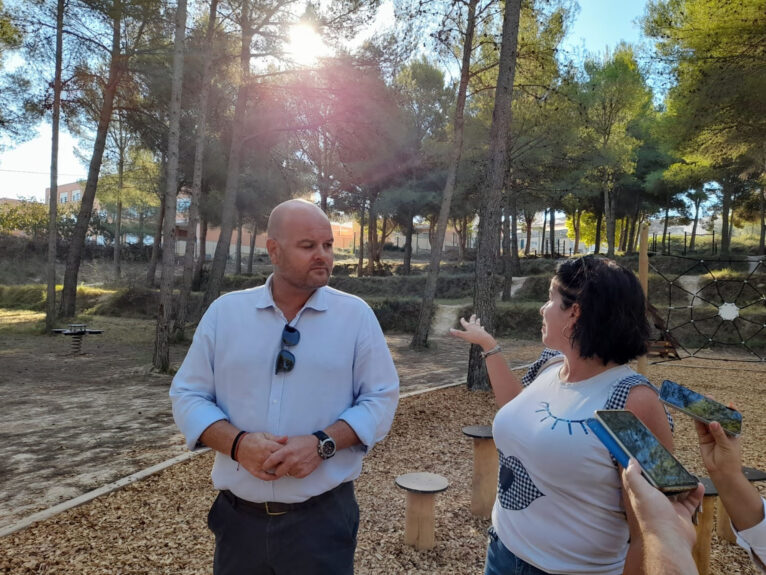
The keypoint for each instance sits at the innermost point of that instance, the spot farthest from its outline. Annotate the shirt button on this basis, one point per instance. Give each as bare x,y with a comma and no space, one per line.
273,401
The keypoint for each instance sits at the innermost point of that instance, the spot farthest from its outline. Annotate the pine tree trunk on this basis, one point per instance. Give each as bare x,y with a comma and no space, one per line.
196,189
529,221
552,216
50,308
506,245
515,262
372,234
609,214
165,314
238,253
77,242
694,226
420,339
223,246
725,221
407,264
360,267
599,221
197,279
484,296
762,241
118,216
576,225
151,273
631,234
251,255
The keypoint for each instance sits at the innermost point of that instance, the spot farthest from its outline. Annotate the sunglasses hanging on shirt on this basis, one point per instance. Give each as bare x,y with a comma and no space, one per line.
285,358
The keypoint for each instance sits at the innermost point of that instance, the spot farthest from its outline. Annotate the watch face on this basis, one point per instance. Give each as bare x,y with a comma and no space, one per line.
328,448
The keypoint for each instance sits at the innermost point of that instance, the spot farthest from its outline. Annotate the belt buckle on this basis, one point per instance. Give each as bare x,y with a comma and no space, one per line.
272,513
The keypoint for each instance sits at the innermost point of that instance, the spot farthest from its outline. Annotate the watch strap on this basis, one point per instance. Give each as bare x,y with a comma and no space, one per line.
320,435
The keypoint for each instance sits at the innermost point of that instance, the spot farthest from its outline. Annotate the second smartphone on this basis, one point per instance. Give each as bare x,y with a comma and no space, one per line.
625,436
700,407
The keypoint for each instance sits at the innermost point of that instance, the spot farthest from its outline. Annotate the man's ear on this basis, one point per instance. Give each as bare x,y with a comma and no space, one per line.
273,248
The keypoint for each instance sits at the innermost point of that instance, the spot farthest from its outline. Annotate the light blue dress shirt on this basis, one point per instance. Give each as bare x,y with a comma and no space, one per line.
343,370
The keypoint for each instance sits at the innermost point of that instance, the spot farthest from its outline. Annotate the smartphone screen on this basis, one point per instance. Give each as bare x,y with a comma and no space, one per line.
659,466
700,407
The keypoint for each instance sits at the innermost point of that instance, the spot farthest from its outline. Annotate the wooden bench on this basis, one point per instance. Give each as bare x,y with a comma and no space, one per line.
419,514
485,469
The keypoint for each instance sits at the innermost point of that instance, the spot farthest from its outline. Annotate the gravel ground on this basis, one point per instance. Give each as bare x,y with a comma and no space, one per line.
158,525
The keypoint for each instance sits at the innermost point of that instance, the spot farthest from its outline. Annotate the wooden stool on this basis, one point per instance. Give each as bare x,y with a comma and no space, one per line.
419,515
485,469
701,549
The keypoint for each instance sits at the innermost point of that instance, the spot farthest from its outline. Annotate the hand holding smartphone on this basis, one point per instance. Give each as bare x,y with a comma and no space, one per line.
625,436
700,407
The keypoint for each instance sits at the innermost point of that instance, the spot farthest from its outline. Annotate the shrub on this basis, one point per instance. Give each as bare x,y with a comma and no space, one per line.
518,320
34,296
240,282
458,286
396,315
534,288
139,302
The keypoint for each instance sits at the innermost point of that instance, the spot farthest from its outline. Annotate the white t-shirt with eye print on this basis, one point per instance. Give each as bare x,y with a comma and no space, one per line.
559,504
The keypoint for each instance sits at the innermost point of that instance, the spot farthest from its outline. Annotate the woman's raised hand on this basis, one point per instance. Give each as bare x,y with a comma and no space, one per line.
473,332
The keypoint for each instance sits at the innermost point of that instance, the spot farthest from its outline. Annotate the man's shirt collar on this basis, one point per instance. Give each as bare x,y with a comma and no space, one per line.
317,301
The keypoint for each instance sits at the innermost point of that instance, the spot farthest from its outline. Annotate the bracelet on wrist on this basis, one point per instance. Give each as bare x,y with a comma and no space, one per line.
235,444
493,351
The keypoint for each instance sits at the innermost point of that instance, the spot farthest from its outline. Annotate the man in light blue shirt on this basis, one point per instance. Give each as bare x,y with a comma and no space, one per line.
290,383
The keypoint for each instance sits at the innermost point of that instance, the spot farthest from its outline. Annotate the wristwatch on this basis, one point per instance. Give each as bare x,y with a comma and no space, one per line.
326,447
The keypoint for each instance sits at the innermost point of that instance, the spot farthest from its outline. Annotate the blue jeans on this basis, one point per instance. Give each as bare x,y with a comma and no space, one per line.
500,561
319,540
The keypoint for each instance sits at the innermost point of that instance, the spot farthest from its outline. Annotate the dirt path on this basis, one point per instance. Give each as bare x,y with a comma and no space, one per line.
70,424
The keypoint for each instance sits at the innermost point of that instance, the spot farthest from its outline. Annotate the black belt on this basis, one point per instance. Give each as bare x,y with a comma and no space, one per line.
279,508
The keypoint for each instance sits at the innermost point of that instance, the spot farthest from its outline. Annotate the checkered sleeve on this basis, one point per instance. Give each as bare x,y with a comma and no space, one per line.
535,368
620,393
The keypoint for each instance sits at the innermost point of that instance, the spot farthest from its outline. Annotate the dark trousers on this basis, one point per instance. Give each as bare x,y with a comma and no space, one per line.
316,540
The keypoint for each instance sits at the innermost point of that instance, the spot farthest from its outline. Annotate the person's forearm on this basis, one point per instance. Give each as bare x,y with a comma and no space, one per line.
219,436
741,499
343,435
505,384
666,556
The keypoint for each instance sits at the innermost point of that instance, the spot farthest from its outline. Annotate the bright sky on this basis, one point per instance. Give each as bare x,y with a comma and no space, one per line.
603,23
24,170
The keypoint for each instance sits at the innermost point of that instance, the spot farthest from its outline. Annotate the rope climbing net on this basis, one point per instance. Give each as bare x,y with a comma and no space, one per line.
711,311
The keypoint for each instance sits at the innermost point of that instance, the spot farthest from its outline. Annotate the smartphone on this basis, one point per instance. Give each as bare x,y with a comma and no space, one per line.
700,407
625,436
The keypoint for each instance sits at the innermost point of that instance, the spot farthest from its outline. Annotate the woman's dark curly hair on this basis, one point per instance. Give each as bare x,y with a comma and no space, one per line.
612,325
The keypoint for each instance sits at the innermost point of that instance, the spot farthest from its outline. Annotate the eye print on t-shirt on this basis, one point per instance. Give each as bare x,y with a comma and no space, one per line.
515,487
570,423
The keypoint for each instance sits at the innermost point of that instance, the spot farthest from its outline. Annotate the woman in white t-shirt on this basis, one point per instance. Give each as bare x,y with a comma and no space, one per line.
559,505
